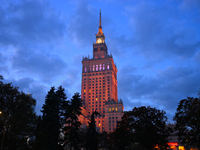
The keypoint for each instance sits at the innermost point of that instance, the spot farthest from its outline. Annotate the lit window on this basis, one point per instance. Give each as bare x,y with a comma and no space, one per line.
100,67
93,69
96,99
113,109
116,109
99,125
108,66
84,90
109,109
96,67
103,66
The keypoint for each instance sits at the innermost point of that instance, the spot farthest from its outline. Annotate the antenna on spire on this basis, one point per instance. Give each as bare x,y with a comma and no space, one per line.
100,27
100,19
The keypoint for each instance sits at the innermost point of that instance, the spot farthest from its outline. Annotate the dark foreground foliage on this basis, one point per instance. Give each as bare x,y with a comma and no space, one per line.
187,119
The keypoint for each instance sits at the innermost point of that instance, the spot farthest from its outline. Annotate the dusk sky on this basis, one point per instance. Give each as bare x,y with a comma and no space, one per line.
155,45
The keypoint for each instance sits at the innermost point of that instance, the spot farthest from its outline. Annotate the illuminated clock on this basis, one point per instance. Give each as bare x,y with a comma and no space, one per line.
99,41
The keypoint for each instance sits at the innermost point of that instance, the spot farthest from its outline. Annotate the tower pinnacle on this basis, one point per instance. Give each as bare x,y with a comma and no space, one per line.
100,27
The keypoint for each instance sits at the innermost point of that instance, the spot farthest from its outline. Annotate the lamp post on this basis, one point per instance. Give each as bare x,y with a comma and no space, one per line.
3,132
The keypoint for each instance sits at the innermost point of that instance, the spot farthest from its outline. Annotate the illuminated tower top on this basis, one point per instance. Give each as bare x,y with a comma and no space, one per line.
100,37
100,48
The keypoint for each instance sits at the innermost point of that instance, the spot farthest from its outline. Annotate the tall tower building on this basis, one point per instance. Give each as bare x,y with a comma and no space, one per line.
99,86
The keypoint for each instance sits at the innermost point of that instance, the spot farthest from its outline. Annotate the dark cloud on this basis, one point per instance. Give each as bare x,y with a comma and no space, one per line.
3,60
29,22
39,64
83,24
162,31
197,58
30,30
190,4
163,91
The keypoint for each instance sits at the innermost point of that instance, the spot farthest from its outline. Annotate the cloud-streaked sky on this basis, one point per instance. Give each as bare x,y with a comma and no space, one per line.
155,45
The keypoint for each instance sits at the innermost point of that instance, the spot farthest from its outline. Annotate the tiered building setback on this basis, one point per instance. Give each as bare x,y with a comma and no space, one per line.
99,86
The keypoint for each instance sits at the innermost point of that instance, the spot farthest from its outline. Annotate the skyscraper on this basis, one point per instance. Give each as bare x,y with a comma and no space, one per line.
99,86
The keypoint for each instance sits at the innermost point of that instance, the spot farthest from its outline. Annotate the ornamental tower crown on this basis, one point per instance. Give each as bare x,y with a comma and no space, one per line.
99,48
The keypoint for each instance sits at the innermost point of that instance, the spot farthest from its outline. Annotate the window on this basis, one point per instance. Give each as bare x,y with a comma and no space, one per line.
108,66
109,109
103,66
96,67
85,69
93,69
116,109
90,70
100,67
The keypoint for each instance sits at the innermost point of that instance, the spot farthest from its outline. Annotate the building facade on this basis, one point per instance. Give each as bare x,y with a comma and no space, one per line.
99,86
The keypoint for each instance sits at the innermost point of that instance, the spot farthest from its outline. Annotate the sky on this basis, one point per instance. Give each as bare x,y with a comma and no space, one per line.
155,45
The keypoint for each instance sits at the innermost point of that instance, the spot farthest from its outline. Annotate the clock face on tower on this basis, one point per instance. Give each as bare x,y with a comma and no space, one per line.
99,40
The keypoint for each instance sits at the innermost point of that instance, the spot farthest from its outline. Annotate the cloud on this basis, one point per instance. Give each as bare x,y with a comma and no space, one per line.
190,4
163,91
43,65
82,24
162,31
29,33
31,21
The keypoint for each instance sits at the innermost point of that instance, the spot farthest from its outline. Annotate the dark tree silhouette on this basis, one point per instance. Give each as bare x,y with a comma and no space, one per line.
72,123
17,118
187,119
142,127
53,118
92,134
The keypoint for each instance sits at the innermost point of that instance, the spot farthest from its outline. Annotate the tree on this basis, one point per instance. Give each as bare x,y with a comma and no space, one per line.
92,134
144,126
72,123
187,119
17,120
53,118
121,136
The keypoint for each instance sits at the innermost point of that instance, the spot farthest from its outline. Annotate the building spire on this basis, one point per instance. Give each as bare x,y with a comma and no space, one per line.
100,27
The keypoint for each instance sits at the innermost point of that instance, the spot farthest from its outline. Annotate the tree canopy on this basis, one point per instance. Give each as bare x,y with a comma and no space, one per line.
92,134
187,119
72,124
143,126
53,119
17,120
